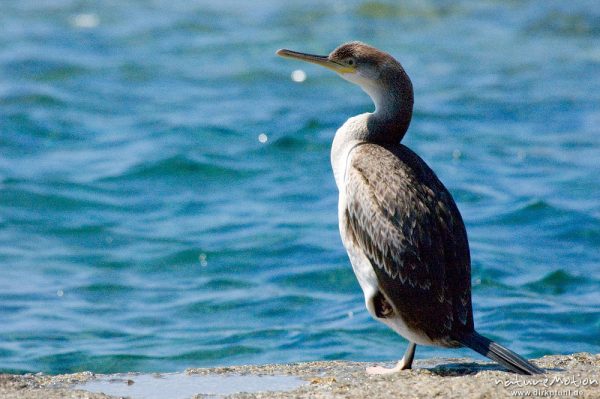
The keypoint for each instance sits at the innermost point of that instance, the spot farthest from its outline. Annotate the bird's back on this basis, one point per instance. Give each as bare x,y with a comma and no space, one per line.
408,226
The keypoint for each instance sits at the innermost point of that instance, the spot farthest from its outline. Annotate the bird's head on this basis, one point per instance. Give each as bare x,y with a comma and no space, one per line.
377,72
354,61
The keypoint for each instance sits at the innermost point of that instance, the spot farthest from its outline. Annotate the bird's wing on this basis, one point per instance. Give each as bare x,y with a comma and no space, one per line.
408,226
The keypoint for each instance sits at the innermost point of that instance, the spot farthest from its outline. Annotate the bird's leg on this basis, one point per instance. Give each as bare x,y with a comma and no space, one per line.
404,364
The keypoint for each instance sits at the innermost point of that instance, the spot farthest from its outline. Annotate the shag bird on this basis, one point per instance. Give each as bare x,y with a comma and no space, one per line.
403,232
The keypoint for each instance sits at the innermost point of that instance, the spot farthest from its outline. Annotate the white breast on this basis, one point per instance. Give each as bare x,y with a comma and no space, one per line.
344,143
346,138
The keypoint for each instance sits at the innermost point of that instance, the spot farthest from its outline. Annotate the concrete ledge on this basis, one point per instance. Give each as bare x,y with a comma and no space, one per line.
576,375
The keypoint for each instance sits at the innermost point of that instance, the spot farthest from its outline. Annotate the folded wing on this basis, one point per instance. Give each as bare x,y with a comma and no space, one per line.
408,226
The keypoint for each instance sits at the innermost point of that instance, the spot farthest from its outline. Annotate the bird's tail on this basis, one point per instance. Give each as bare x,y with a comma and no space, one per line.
498,353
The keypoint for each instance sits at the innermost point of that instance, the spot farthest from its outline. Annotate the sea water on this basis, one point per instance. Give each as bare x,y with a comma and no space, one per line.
166,198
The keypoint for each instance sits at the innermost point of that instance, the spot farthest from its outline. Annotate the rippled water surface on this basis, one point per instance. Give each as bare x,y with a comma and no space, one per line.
166,199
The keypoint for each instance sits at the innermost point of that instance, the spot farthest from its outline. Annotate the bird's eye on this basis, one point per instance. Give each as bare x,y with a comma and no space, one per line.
350,61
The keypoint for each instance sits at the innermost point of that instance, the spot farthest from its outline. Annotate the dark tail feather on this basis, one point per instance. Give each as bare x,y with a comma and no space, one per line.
498,353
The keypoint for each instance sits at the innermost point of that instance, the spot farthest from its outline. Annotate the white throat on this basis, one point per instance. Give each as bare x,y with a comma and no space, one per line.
373,89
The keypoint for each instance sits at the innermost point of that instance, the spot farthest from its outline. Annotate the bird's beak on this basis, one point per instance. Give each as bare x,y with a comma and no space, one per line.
322,60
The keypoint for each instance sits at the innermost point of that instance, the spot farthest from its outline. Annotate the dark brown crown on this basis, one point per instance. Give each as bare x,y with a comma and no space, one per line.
362,53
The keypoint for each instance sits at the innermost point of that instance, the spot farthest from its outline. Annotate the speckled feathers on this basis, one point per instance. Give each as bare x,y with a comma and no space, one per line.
408,226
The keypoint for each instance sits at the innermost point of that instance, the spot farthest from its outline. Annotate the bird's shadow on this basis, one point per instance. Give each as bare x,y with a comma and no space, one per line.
466,368
469,368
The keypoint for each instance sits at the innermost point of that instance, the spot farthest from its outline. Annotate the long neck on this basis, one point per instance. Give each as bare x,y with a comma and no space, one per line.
393,98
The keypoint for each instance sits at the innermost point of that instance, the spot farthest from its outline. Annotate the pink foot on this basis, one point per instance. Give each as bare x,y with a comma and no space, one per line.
378,370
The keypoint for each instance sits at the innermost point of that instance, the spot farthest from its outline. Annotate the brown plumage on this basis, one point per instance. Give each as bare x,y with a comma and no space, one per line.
412,233
403,232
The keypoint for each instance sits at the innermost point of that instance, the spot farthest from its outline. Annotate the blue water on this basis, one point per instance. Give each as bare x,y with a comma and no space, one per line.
145,227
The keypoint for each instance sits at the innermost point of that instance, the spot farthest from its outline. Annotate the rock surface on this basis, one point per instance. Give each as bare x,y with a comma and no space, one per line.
576,375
